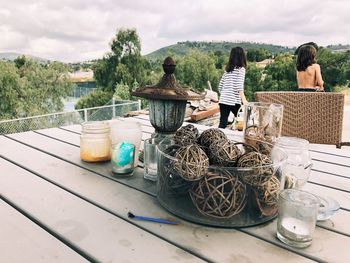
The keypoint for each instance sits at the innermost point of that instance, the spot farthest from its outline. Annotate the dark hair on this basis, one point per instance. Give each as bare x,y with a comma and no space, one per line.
237,59
313,44
306,57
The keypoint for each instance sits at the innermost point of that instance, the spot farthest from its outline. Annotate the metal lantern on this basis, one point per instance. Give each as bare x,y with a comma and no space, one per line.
167,100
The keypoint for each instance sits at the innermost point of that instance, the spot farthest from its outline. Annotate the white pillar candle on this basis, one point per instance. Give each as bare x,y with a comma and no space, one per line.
295,229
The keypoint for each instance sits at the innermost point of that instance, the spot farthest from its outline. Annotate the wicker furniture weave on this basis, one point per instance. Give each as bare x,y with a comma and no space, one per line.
314,116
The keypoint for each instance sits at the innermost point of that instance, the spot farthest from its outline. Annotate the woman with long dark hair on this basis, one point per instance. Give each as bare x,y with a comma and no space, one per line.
231,85
309,76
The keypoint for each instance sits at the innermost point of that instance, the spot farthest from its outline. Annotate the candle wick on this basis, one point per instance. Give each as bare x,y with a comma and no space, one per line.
294,227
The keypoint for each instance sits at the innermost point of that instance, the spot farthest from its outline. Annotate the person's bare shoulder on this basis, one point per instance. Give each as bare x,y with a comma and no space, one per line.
316,66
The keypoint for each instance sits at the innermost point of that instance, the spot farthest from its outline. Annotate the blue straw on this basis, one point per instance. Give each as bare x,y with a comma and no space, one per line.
151,219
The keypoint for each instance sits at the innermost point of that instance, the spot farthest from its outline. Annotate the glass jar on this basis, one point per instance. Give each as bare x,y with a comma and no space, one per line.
95,142
298,165
262,121
127,131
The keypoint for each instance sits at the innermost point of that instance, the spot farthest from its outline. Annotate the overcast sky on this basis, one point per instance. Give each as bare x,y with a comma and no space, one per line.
78,30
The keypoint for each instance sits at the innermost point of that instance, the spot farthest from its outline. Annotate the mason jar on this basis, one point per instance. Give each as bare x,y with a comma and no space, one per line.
298,165
95,142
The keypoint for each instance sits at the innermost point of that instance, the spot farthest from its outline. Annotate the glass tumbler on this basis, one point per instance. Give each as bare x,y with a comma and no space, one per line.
127,131
262,121
297,216
150,159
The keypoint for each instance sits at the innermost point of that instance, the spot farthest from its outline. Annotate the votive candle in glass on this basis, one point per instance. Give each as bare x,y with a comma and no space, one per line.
297,216
122,158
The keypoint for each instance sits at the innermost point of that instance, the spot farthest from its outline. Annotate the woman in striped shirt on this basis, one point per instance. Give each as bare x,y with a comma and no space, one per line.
231,85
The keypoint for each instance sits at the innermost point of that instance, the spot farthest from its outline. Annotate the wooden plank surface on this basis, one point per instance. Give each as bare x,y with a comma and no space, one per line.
100,234
24,241
331,168
229,244
71,154
323,248
271,238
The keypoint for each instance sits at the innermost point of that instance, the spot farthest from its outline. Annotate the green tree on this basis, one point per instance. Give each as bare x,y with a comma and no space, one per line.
122,92
345,67
335,68
104,71
28,88
11,94
94,99
281,74
220,59
196,69
257,54
124,64
253,81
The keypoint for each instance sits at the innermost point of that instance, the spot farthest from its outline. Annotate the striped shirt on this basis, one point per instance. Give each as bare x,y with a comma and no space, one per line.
231,84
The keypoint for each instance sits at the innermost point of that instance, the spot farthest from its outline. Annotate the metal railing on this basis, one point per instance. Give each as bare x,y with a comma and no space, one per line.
78,92
107,112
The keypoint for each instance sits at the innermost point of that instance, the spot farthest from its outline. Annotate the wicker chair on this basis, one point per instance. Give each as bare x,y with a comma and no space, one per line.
314,116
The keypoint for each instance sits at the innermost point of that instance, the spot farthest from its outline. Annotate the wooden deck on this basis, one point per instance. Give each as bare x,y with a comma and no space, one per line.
56,208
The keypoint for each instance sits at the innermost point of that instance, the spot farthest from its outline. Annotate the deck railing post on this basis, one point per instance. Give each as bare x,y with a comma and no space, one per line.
139,101
113,108
85,115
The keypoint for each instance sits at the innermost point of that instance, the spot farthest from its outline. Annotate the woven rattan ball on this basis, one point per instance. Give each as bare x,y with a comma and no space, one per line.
219,195
186,135
267,196
261,168
224,153
264,147
211,135
170,183
192,162
245,148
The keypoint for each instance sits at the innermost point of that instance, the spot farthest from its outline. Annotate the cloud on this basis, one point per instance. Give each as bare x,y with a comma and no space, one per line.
82,29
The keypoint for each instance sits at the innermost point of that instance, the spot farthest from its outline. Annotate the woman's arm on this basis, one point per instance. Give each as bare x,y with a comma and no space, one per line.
319,80
243,98
240,85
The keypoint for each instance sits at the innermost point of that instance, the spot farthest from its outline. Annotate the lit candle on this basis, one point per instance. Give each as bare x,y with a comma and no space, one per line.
295,229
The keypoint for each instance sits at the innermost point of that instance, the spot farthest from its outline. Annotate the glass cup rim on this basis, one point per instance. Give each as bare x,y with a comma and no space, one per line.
151,140
263,104
316,201
126,124
296,142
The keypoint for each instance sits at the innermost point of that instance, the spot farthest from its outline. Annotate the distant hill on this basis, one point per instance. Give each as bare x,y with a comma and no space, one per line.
182,48
12,56
338,48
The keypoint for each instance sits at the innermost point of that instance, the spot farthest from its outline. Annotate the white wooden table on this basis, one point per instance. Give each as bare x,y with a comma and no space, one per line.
56,208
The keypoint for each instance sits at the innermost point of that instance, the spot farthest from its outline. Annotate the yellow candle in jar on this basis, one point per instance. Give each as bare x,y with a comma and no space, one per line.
95,142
